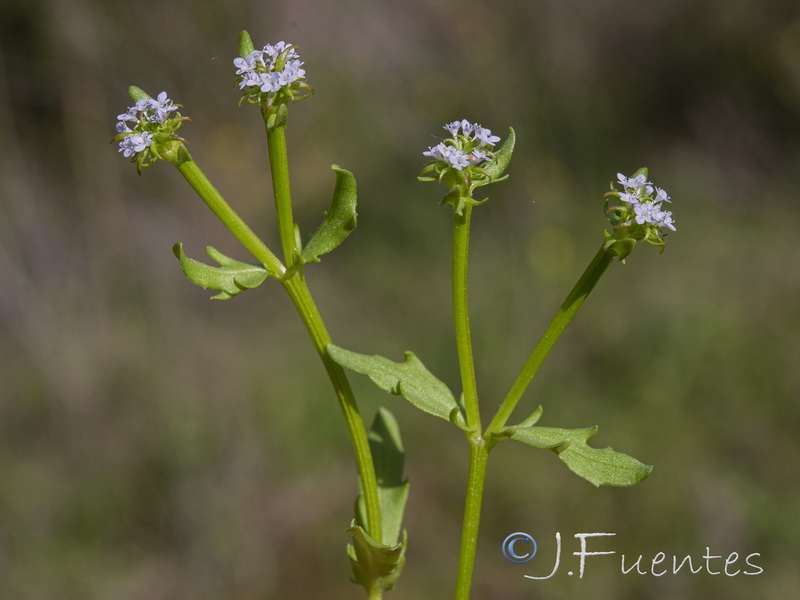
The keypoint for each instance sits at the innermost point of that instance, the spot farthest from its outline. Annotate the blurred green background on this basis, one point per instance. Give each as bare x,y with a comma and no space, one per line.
156,445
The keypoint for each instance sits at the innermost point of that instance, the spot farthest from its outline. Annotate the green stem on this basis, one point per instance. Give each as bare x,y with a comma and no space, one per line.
209,194
466,363
279,165
479,453
478,456
301,297
573,302
275,123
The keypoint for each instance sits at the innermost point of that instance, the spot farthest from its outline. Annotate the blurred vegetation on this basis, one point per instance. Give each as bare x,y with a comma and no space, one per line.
155,445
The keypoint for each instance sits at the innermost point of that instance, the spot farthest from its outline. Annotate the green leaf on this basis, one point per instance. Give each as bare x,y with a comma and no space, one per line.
599,467
231,277
503,156
409,379
389,457
339,221
375,566
533,418
137,93
245,44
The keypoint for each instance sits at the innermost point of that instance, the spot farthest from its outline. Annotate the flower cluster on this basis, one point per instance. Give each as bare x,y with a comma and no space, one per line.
638,213
465,149
464,161
147,121
263,74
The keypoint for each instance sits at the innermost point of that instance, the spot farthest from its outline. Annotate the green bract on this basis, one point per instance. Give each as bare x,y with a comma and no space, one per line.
339,221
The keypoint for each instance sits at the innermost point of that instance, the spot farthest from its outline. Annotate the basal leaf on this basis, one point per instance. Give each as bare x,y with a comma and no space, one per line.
339,221
409,379
598,466
231,277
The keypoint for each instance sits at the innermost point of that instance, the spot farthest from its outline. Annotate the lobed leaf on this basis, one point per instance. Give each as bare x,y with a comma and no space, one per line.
598,466
231,277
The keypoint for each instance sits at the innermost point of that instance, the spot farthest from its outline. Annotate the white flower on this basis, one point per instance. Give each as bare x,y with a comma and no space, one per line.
661,196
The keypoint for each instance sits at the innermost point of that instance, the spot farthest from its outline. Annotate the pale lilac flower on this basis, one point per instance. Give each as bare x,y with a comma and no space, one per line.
632,183
133,144
258,71
467,127
664,219
631,198
245,65
161,108
645,212
437,152
661,196
477,156
456,158
141,105
250,79
453,127
130,115
274,51
484,136
269,82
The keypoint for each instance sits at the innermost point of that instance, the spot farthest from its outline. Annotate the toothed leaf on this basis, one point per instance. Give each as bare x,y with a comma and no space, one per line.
598,466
